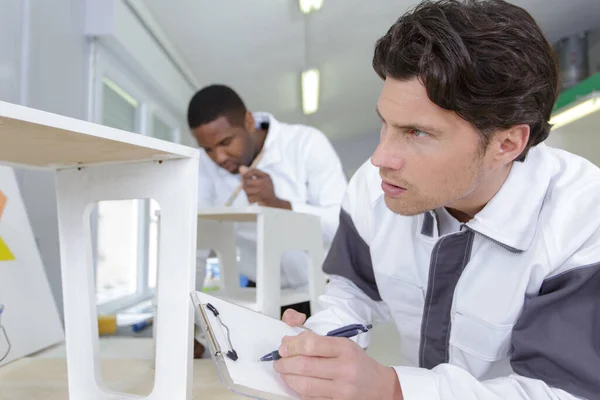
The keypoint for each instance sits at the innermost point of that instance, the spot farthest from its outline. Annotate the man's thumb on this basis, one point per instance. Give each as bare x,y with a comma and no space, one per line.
243,169
293,317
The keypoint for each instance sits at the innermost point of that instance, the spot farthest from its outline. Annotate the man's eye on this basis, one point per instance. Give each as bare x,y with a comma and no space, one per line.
418,133
226,142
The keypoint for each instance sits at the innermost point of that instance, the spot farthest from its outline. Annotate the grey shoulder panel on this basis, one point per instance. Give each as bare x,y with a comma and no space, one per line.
350,257
557,337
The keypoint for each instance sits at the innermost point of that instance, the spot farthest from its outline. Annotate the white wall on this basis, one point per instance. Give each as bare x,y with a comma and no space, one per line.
355,151
10,43
55,80
581,138
116,25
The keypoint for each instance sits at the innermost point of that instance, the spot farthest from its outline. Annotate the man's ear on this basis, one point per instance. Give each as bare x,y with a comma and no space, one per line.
249,123
510,143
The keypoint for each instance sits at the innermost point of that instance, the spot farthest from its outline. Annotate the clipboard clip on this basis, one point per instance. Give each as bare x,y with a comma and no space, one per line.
231,353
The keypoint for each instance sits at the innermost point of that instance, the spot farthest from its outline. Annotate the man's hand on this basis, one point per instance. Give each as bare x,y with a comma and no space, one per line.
293,317
259,189
322,367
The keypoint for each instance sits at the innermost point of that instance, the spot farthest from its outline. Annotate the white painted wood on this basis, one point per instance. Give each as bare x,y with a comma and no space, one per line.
274,237
170,184
95,163
34,138
268,264
237,214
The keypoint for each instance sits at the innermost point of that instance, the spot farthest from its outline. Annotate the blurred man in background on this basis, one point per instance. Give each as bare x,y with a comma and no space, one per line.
285,166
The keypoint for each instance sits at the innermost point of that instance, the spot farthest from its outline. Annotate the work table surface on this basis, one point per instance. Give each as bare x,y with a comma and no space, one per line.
46,378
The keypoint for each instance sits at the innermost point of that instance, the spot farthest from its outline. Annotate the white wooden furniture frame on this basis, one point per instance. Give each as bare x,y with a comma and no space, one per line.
277,231
94,163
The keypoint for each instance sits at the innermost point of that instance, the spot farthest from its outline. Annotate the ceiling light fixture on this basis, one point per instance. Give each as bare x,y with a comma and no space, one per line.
308,6
581,109
310,91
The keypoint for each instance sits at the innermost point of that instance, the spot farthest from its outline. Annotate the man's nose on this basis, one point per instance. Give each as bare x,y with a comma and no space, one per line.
220,155
388,156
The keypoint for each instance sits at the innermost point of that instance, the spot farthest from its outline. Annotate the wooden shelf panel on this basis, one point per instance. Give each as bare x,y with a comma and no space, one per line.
34,138
242,214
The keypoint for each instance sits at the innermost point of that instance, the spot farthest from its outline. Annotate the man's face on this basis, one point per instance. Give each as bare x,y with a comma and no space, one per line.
427,157
229,146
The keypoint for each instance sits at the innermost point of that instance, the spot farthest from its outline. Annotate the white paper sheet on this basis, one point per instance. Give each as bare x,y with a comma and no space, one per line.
252,336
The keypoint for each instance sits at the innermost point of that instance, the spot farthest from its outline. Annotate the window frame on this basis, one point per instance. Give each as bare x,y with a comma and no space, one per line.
166,118
108,65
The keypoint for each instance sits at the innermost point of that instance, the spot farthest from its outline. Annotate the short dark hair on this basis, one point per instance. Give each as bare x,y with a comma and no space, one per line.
486,60
213,102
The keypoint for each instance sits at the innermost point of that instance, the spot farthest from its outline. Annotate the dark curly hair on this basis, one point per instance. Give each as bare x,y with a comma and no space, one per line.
486,60
215,101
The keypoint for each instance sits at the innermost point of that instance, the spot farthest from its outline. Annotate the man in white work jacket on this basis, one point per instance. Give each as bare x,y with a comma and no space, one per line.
481,243
298,170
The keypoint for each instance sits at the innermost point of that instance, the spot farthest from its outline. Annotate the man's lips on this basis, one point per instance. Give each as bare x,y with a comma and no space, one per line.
392,190
229,166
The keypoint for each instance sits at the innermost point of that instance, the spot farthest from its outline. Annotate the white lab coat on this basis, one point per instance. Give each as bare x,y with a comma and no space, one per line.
305,170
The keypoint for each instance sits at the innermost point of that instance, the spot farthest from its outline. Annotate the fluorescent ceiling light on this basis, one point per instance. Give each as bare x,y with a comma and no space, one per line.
308,6
310,91
576,112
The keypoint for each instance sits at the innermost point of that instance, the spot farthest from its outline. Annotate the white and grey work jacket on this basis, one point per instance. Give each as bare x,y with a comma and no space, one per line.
508,307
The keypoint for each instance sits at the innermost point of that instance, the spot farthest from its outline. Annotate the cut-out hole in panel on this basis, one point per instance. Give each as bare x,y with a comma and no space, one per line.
208,271
125,242
210,279
118,258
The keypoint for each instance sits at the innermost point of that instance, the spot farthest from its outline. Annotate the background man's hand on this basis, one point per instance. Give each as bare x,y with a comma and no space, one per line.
259,189
323,367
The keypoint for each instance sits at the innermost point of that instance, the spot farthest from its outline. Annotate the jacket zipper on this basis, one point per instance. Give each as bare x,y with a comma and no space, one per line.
428,294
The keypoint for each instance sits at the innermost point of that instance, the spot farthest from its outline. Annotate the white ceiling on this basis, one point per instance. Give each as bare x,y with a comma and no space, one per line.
258,47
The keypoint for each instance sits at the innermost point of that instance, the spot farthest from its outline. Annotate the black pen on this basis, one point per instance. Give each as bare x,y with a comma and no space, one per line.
345,331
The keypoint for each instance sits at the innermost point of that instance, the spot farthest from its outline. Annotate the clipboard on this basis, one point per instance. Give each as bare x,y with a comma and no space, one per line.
237,337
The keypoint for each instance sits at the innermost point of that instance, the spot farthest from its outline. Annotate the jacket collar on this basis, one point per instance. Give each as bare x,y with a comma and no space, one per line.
272,148
511,217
